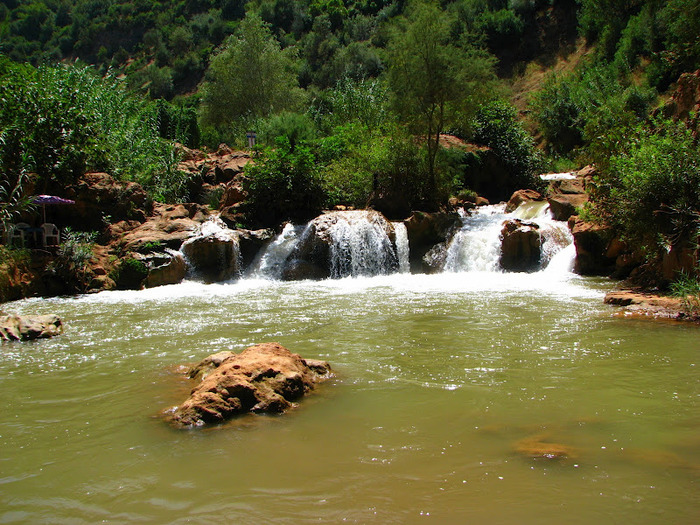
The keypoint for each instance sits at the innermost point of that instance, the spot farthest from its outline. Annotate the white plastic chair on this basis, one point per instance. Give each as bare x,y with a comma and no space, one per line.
50,234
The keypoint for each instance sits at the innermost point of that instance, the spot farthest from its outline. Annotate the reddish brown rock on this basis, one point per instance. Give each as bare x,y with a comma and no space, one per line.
565,205
26,328
98,195
170,226
591,241
538,447
521,196
263,378
521,246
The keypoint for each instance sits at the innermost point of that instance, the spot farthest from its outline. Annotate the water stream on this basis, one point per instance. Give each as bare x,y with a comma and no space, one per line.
441,381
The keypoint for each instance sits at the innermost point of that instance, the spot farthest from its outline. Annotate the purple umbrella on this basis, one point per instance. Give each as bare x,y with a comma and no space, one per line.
50,199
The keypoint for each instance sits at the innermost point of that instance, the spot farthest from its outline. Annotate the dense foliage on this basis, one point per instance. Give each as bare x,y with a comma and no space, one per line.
350,99
57,122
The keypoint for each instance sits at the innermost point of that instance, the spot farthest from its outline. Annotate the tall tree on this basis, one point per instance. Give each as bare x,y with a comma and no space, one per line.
249,78
436,83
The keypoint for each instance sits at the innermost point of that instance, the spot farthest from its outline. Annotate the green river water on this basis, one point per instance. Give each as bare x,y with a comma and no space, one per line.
439,380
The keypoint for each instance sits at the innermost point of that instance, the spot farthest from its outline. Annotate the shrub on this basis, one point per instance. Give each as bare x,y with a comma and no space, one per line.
61,121
687,287
71,262
284,183
650,189
497,127
130,274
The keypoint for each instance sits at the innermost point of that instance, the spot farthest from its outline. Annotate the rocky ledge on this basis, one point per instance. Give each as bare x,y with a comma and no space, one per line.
16,328
643,304
263,378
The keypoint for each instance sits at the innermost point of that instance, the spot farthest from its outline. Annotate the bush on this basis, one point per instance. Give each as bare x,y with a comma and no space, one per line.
284,184
497,127
130,274
687,287
71,262
61,121
650,189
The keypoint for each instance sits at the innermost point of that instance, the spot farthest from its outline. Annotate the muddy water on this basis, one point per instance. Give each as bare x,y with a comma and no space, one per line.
443,385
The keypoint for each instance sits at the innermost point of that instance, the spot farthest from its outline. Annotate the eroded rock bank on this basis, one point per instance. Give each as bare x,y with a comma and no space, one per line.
266,377
639,303
27,328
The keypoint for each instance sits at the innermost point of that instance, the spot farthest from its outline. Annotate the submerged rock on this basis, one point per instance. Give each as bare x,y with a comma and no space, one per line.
16,328
263,378
537,447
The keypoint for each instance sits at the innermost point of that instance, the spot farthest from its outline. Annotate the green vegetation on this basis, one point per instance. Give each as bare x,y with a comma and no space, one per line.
71,262
57,122
687,287
248,79
350,99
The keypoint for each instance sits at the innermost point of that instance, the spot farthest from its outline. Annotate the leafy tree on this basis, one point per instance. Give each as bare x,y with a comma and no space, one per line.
249,78
436,84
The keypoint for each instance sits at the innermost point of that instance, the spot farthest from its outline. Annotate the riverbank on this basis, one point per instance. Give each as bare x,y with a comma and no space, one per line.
644,304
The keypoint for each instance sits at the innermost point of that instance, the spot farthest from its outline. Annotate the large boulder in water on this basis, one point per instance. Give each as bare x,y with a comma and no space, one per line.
214,253
521,246
26,328
591,241
344,243
263,378
427,238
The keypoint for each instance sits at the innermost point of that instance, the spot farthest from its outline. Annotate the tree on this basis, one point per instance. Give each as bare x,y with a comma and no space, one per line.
249,78
436,84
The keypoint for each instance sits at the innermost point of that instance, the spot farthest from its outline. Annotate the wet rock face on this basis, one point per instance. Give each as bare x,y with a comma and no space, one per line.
263,378
341,243
521,196
16,328
591,242
521,246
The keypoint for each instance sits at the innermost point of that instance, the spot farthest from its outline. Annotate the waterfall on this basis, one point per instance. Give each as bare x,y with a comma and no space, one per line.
360,246
270,262
476,247
402,250
213,253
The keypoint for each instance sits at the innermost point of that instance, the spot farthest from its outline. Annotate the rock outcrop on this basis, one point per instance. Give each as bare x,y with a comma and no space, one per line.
591,241
170,226
99,195
342,243
644,304
521,196
521,246
26,328
263,378
214,252
425,232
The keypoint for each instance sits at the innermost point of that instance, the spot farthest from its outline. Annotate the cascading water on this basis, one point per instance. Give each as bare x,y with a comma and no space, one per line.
402,249
476,247
214,252
360,247
270,263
